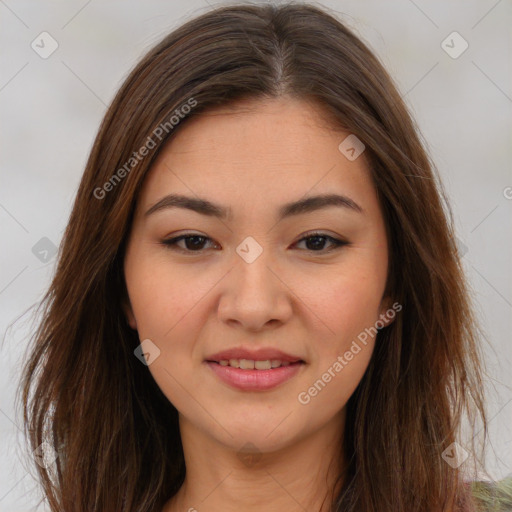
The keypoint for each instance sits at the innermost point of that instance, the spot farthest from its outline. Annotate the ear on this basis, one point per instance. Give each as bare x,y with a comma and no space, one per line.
388,311
128,311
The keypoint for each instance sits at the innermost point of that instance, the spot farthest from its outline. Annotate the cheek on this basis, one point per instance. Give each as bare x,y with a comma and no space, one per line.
332,388
162,297
346,305
166,305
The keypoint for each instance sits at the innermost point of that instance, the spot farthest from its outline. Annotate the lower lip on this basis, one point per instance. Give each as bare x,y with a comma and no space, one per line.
255,380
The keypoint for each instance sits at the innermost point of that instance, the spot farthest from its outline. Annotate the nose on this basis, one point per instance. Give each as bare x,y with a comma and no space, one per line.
255,296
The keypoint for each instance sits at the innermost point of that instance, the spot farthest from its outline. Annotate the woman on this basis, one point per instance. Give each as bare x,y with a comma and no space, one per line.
259,303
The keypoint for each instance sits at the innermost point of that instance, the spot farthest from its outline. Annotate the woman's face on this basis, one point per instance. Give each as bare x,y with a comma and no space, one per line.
248,288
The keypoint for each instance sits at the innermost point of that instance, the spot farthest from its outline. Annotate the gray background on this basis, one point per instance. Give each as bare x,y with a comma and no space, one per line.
51,109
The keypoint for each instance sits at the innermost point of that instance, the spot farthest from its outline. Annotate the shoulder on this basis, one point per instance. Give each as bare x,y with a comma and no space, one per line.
493,496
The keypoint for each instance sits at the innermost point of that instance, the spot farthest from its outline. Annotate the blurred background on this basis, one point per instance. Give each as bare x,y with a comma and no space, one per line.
62,63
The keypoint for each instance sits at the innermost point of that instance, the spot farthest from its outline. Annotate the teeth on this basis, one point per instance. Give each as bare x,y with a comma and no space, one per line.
250,364
246,364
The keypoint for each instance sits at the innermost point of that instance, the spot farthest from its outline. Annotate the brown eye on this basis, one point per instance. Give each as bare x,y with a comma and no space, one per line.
193,243
315,242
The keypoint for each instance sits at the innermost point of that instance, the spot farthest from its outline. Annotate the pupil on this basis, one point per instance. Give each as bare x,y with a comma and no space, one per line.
196,238
315,245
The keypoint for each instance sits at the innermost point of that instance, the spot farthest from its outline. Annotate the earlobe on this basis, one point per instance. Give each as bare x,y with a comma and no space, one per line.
130,317
387,312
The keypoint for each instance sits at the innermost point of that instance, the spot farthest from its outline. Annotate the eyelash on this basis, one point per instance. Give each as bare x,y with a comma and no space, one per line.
171,242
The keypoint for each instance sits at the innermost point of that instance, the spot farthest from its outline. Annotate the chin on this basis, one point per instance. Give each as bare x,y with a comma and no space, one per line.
268,433
255,441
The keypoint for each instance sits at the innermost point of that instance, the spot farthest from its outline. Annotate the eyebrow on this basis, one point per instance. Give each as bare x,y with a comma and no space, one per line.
205,207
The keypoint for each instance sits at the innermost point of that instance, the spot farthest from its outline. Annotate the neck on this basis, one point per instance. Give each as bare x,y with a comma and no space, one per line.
295,478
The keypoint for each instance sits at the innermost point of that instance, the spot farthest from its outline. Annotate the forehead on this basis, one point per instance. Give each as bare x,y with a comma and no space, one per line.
258,152
273,131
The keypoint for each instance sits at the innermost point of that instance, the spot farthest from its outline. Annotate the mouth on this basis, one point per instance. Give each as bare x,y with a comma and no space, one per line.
254,370
252,364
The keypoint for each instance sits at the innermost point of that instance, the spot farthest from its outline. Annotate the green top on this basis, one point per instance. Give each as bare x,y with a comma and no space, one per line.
493,496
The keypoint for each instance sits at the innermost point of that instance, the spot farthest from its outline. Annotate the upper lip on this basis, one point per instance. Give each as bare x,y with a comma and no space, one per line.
262,354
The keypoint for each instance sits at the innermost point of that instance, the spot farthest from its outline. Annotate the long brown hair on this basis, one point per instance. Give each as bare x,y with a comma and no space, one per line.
115,434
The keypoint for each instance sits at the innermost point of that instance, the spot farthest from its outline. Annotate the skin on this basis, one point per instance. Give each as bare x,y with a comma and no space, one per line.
307,301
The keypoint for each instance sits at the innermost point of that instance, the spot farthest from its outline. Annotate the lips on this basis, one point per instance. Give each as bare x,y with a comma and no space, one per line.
254,370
